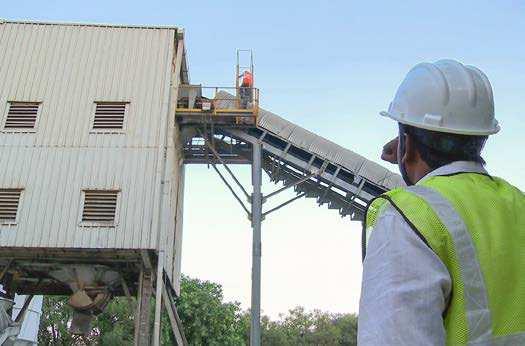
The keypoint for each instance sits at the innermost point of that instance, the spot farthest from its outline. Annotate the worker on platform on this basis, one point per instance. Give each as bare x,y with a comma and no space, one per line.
246,89
444,257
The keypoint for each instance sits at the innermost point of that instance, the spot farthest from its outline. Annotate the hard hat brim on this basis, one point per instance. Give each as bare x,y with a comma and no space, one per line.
469,132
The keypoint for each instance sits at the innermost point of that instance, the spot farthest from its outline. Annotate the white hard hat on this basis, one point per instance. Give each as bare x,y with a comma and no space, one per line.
445,96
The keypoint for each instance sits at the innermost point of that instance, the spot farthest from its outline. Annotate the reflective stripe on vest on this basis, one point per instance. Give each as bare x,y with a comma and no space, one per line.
442,212
476,301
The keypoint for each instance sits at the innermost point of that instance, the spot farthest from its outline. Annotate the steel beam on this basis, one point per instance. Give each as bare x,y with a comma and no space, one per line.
218,157
158,298
255,331
300,195
176,324
142,318
291,185
22,312
231,190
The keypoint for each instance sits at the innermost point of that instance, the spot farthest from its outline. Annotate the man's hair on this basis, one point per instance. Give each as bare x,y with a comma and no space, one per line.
439,148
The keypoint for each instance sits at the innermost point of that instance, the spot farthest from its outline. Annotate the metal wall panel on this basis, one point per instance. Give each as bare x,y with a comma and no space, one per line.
68,68
52,180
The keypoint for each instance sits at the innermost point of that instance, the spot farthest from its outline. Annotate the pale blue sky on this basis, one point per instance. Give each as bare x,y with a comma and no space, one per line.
329,66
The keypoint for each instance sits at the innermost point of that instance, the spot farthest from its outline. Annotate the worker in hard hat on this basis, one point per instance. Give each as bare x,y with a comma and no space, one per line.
246,89
444,258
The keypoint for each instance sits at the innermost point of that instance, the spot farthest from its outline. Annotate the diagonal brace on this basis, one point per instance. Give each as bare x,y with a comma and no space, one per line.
218,157
231,190
284,204
292,185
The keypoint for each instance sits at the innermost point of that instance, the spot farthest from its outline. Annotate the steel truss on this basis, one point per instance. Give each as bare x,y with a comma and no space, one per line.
310,176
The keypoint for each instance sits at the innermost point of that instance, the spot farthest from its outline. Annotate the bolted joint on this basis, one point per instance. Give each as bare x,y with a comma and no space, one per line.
253,196
250,218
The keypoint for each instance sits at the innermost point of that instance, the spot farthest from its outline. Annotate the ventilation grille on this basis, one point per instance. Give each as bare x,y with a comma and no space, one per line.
99,206
9,199
109,115
21,115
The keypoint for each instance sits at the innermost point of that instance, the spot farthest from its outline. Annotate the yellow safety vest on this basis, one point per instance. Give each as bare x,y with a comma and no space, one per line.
476,225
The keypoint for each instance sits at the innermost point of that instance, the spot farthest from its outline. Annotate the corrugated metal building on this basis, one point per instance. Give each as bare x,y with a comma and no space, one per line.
89,150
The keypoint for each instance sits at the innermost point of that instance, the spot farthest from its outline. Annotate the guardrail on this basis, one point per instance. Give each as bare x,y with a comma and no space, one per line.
218,101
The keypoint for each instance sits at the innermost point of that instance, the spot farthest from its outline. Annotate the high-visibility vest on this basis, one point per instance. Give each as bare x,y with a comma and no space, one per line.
247,79
476,225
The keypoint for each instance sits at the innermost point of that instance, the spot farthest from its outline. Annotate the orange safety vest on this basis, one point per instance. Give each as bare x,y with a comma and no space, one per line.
247,79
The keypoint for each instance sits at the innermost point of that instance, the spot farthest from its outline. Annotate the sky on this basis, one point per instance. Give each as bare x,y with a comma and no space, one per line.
329,66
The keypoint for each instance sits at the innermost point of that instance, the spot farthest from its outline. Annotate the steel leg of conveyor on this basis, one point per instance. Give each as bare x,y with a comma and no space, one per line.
255,331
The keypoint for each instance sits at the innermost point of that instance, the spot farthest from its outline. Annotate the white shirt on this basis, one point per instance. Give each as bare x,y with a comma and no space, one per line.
405,286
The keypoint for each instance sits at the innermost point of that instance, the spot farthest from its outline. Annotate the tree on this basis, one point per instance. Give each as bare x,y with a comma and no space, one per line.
300,327
206,319
56,315
113,327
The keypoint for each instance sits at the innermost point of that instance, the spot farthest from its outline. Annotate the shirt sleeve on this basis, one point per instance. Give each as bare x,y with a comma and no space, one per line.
405,287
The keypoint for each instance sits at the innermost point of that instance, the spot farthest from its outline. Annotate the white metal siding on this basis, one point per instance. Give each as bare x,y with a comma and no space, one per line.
68,68
53,179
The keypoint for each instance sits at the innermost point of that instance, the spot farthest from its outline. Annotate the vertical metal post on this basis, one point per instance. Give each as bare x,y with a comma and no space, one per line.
158,299
255,331
138,310
142,319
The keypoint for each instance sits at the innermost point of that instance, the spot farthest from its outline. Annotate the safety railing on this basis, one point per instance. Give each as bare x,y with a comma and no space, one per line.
218,101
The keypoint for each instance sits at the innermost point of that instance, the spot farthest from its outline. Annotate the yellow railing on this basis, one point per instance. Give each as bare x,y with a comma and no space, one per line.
219,101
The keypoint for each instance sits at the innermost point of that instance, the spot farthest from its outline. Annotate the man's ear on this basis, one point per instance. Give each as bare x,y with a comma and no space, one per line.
410,155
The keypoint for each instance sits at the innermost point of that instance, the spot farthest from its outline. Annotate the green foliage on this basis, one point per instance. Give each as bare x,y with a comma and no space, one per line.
300,327
56,315
206,318
113,327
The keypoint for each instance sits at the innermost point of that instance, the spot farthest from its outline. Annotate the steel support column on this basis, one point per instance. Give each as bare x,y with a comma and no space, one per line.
142,317
158,299
255,331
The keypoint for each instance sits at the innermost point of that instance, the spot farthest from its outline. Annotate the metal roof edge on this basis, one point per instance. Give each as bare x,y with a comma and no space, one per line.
131,26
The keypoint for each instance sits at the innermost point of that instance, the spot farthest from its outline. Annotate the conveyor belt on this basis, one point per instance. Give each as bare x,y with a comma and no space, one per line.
346,181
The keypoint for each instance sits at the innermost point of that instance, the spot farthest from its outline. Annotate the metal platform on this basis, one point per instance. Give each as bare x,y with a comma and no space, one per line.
198,105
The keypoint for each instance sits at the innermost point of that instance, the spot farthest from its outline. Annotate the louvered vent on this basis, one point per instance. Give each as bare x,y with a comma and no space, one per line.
99,206
9,199
109,115
21,115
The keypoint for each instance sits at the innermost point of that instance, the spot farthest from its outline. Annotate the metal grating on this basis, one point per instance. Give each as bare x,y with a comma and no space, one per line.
109,115
21,115
9,199
100,206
